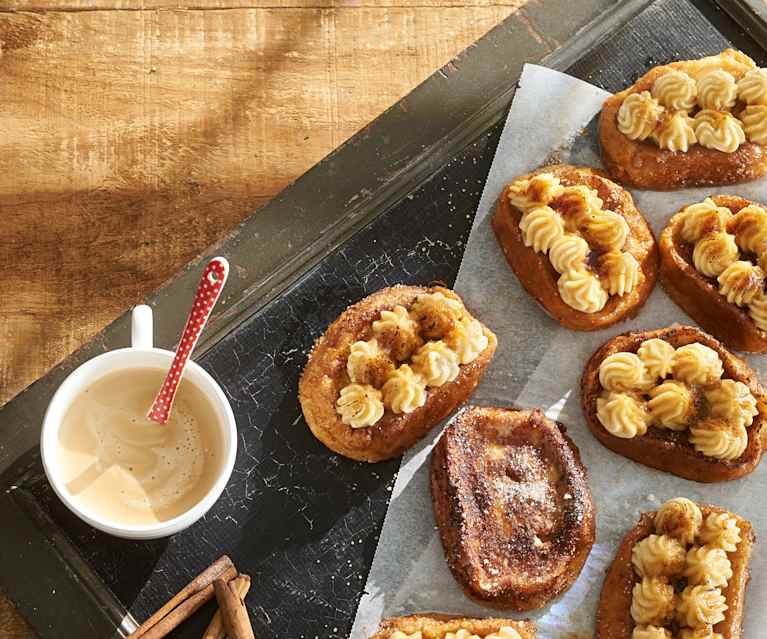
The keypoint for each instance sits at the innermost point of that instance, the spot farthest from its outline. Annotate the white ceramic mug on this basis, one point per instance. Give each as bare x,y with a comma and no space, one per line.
141,354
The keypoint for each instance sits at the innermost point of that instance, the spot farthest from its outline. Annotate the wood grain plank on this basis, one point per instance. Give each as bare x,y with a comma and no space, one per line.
132,140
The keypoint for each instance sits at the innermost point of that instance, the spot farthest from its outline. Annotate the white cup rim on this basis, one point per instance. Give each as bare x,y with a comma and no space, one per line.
111,362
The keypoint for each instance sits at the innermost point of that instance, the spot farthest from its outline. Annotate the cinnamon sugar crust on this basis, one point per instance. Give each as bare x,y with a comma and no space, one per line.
513,506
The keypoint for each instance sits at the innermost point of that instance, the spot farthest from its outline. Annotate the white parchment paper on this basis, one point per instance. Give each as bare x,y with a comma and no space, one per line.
538,364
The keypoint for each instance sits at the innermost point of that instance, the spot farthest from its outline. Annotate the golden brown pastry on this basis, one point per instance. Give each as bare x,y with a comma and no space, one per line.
677,400
701,597
516,534
390,367
577,244
438,626
712,259
688,123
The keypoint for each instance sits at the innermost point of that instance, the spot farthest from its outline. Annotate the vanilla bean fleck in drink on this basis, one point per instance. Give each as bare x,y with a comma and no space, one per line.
123,467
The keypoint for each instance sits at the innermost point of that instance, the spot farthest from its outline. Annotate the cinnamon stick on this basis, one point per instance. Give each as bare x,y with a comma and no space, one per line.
215,629
233,611
187,600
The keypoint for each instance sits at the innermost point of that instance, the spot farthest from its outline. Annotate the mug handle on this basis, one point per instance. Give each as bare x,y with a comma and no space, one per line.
142,327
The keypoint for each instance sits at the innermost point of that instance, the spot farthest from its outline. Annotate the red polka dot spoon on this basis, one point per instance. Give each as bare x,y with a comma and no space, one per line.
208,291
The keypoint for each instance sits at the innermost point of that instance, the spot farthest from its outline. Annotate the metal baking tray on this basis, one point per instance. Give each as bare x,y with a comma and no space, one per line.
394,204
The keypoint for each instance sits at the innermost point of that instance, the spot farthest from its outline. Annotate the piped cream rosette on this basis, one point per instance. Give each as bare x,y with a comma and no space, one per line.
679,389
568,224
718,109
689,552
410,351
732,248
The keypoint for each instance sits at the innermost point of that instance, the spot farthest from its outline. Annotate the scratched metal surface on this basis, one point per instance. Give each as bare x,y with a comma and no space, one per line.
302,521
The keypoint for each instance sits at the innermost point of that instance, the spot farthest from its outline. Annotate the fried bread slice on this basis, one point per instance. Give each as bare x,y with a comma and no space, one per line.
614,619
643,164
437,626
513,506
326,374
663,448
540,278
699,295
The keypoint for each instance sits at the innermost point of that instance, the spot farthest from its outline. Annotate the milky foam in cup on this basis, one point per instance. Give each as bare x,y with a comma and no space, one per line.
122,473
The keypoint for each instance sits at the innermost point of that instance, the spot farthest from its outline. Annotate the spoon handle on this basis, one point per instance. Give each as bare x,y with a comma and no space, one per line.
208,291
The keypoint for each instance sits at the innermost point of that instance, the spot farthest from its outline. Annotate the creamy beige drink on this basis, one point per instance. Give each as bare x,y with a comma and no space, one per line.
120,466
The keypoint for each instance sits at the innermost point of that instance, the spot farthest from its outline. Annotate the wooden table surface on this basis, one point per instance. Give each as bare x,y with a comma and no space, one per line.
134,133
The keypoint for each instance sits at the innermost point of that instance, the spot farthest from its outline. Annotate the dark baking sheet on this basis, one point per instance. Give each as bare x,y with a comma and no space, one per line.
303,521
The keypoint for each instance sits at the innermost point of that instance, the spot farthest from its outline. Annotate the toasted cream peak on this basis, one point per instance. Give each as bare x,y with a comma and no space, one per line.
697,364
658,556
741,282
397,332
679,518
708,565
719,438
623,371
749,226
541,227
653,601
623,415
582,290
714,252
676,132
671,405
703,218
359,405
721,530
568,252
436,363
467,339
404,391
752,87
720,131
606,231
638,115
754,118
538,190
675,90
701,605
717,90
658,357
733,401
620,271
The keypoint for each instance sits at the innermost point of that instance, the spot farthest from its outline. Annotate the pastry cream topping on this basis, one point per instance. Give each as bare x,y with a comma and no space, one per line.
671,405
702,218
721,530
732,401
701,632
675,90
404,391
714,252
719,131
623,415
650,632
436,363
467,339
741,282
436,313
505,632
700,605
398,634
679,518
658,357
754,120
568,252
606,231
752,87
622,371
368,363
653,601
397,332
749,226
541,227
638,115
697,364
717,90
621,271
758,311
707,565
658,556
715,437
581,290
360,405
539,190
576,204
676,132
